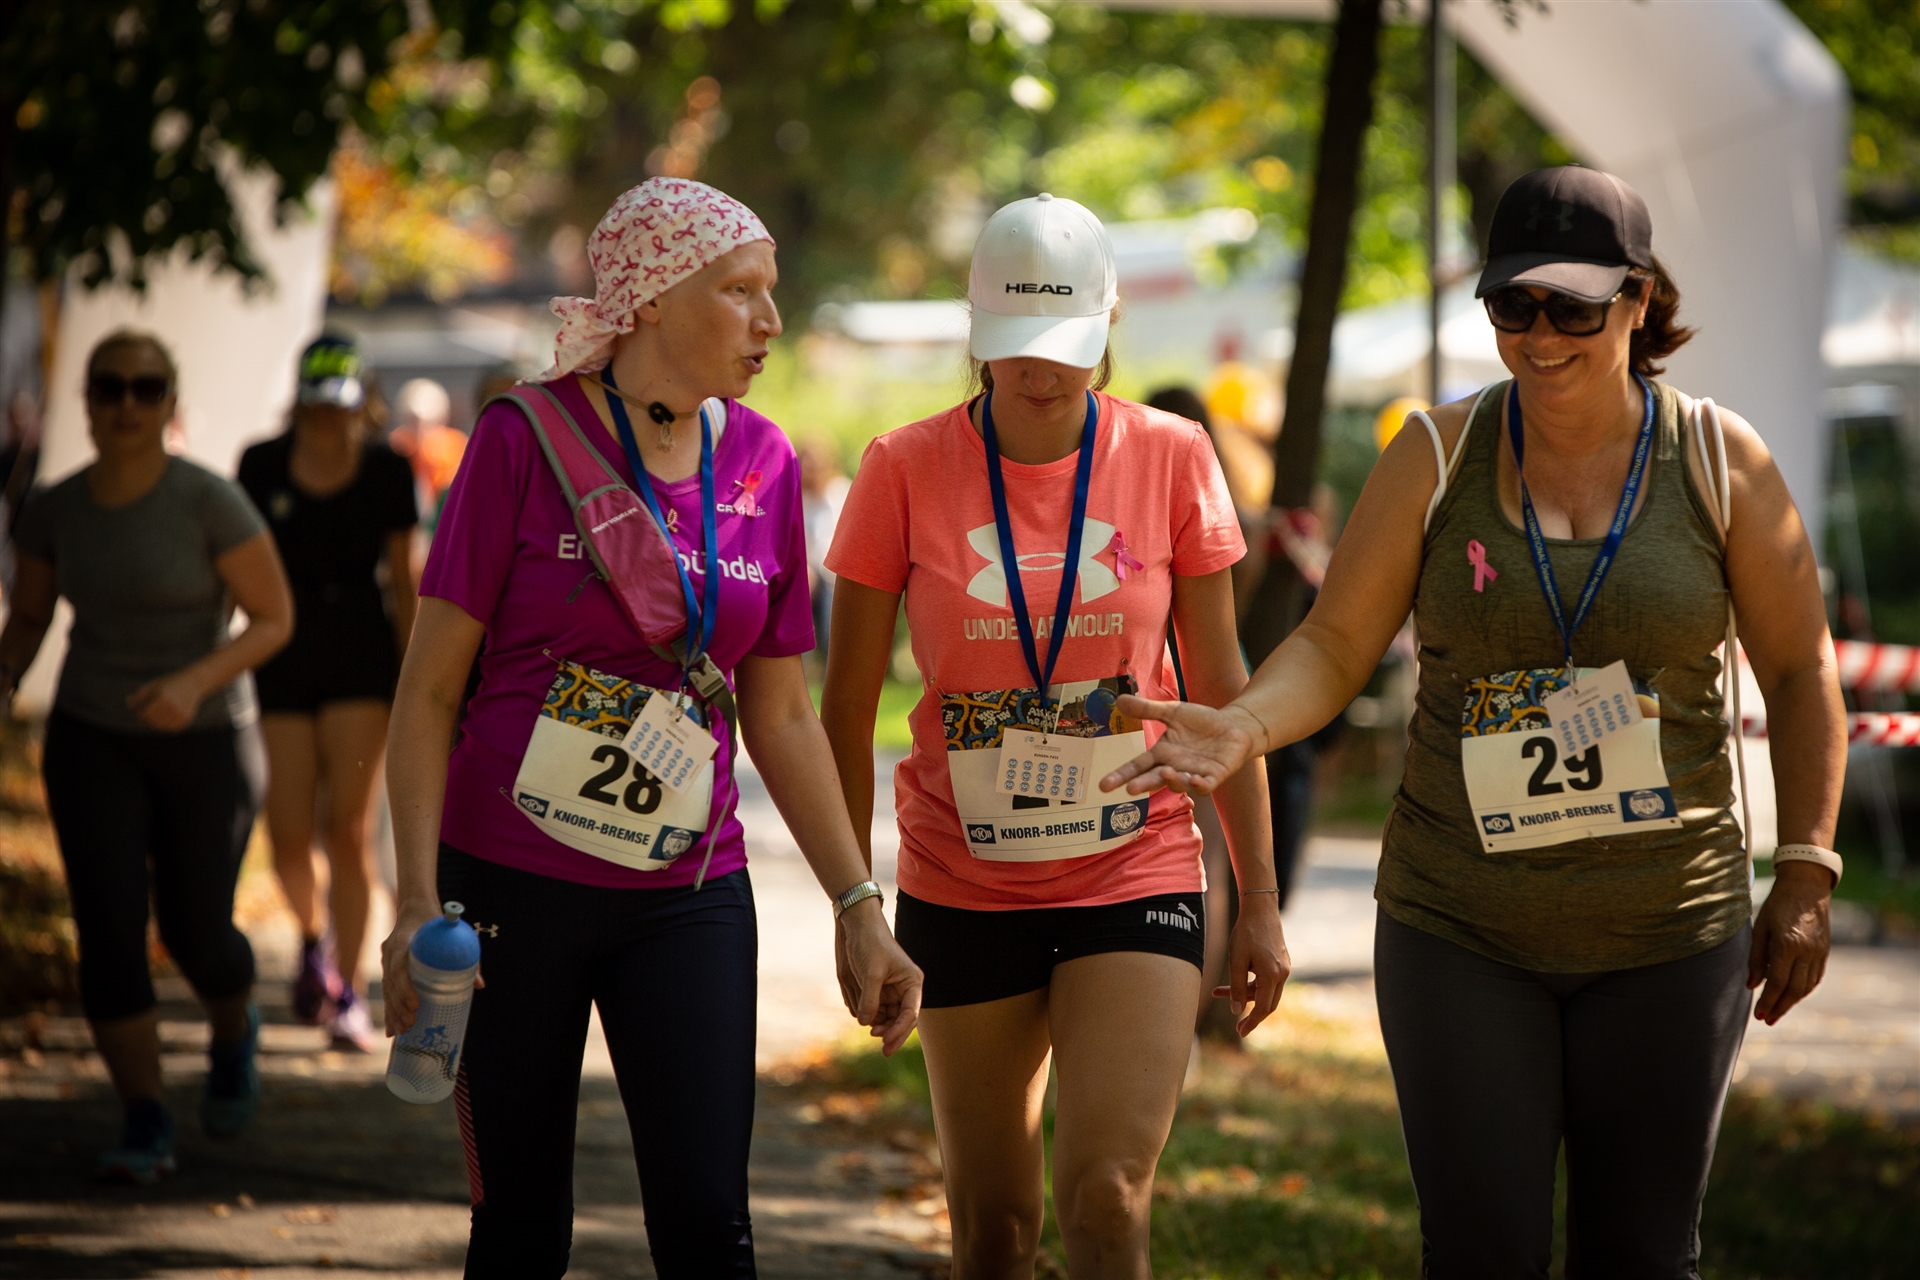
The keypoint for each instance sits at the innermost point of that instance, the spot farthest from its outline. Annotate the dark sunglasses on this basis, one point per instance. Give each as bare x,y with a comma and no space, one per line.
110,388
1513,309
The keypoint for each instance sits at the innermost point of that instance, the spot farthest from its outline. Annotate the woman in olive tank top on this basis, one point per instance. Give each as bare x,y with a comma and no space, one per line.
1563,950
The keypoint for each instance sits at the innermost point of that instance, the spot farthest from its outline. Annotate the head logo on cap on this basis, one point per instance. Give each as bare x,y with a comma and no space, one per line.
1043,284
1558,213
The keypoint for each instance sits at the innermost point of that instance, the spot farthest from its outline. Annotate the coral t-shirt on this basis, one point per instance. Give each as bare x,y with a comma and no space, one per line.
919,520
508,552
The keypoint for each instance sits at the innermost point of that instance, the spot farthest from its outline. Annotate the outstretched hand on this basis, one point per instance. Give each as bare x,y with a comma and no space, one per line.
1200,749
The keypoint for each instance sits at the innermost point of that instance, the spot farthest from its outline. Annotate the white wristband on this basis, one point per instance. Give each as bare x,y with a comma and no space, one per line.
1810,853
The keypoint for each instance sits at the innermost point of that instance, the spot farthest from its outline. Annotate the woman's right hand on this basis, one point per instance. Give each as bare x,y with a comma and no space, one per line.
396,981
1201,748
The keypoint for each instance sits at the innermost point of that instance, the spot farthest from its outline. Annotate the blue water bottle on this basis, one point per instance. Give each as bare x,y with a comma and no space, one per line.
443,959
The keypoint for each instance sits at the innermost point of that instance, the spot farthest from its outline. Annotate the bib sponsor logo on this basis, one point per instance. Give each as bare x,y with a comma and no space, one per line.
990,583
1497,824
1028,286
1120,819
533,805
980,832
1647,804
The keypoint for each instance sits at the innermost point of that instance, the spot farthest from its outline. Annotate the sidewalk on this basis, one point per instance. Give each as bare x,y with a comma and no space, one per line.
337,1178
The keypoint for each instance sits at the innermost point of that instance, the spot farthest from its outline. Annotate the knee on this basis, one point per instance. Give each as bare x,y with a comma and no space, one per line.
1105,1205
216,959
994,1233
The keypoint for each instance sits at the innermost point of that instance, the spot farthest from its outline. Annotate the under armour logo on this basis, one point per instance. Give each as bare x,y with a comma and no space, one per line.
487,930
1557,212
990,584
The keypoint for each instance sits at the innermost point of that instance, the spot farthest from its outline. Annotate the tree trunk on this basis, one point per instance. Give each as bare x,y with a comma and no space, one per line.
1278,603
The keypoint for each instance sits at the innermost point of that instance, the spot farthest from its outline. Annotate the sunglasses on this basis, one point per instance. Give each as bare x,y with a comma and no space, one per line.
1513,309
146,388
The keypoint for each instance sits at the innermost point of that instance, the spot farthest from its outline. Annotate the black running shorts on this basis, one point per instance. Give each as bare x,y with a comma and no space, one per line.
971,957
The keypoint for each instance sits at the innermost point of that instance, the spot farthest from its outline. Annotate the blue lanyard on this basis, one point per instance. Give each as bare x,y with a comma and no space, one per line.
1010,563
1537,542
701,616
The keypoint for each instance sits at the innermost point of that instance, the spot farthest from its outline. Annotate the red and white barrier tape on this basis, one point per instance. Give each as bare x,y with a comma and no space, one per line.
1868,728
1892,668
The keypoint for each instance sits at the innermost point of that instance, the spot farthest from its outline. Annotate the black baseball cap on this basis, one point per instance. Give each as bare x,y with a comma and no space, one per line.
1573,230
330,372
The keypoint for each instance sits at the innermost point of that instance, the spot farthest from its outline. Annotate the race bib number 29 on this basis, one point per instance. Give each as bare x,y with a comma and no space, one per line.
1532,783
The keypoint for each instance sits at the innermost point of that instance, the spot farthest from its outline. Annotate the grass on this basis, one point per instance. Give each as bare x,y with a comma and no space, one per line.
1286,1161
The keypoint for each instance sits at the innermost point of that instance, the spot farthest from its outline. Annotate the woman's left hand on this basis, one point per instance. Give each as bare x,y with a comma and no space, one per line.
1257,961
1790,939
878,980
169,703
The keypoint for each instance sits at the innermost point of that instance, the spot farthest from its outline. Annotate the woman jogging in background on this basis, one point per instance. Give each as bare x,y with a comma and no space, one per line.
1563,950
596,874
1044,536
152,759
341,507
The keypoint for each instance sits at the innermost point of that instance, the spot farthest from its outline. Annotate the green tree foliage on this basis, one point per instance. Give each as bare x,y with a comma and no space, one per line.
873,137
1877,44
117,118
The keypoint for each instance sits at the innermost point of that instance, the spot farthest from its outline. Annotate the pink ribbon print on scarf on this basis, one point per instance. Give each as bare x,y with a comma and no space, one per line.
1477,556
1123,560
743,502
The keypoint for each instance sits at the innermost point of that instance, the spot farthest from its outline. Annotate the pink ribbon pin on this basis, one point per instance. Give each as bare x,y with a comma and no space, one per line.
1477,555
743,503
1123,560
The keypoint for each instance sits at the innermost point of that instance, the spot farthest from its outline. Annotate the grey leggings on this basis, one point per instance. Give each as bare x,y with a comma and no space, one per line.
1495,1065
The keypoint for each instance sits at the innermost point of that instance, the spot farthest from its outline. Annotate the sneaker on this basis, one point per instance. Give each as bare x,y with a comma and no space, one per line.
350,1025
144,1153
316,986
233,1083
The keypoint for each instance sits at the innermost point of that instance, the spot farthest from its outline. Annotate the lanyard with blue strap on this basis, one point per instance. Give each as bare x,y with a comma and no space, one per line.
700,615
1069,572
1609,548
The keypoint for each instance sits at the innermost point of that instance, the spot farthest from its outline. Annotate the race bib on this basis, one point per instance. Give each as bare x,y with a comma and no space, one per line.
580,785
1002,823
1528,790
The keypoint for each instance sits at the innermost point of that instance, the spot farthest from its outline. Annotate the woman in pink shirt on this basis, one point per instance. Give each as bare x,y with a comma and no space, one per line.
1044,536
592,880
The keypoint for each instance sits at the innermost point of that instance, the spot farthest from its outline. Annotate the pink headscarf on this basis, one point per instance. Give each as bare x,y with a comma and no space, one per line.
654,236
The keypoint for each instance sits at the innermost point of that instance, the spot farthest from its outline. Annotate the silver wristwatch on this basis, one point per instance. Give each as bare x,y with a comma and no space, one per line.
859,893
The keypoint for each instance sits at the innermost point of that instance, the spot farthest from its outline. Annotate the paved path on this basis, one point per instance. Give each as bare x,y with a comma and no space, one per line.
339,1179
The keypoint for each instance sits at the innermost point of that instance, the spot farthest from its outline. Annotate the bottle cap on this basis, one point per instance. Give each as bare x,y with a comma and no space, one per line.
447,943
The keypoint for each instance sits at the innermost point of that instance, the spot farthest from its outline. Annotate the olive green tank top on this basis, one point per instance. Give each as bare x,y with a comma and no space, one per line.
1589,904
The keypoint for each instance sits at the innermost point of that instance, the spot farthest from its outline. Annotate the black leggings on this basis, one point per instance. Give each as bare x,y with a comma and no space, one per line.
673,973
1495,1065
187,802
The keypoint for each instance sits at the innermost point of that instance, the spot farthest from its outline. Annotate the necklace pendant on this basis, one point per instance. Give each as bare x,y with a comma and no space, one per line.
666,436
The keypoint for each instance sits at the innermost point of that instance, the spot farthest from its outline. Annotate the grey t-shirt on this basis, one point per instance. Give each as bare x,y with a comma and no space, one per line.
146,598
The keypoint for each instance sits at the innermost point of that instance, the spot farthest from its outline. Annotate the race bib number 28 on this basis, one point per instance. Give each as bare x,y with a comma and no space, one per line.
1532,783
580,785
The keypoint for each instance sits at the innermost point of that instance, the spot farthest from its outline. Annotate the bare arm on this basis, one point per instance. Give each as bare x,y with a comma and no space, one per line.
863,619
1210,654
1783,627
402,584
1328,659
789,747
257,584
29,614
426,705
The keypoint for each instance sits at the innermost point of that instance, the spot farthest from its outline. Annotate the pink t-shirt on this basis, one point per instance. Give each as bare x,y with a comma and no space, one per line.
919,519
508,553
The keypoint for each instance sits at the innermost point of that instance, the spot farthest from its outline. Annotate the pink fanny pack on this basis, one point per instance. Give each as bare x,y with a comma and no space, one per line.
629,550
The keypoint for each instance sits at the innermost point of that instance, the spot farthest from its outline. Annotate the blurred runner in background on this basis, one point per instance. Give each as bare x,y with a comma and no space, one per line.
152,763
823,491
341,507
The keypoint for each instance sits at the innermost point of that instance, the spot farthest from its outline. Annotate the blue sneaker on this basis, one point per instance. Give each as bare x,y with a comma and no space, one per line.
233,1083
144,1153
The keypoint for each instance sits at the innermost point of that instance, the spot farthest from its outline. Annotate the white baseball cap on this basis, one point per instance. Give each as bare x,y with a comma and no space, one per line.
1043,284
